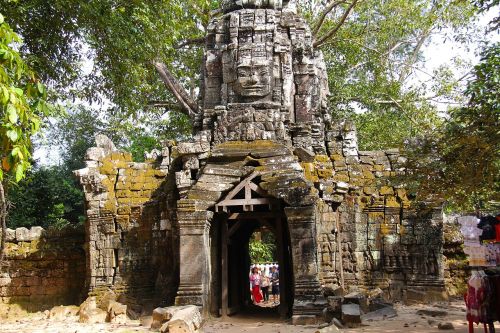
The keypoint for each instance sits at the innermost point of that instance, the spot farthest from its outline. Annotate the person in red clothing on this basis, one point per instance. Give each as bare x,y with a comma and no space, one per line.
255,281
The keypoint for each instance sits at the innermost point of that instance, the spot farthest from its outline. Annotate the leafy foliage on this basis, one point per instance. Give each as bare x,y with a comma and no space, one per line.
461,162
263,250
372,57
121,39
47,198
375,62
22,106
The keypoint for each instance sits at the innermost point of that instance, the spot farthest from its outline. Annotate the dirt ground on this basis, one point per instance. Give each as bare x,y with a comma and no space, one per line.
407,321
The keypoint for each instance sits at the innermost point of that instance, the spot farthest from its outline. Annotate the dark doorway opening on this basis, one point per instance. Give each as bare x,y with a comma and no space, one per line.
246,210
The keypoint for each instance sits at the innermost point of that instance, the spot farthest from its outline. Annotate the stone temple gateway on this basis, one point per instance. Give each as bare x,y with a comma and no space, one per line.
265,152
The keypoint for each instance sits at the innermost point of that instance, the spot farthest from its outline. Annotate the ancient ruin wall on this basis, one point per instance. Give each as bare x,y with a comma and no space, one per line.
263,109
42,269
131,240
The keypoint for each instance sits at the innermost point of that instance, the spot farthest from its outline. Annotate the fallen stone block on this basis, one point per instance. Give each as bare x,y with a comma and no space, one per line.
90,313
351,315
163,315
432,313
106,299
186,320
60,313
380,314
117,313
23,235
357,298
446,326
36,233
10,235
329,329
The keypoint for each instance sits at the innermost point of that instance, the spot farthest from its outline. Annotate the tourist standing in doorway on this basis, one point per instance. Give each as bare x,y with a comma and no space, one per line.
255,281
275,281
265,286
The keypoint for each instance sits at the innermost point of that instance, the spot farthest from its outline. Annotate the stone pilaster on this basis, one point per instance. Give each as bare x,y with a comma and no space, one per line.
308,298
194,257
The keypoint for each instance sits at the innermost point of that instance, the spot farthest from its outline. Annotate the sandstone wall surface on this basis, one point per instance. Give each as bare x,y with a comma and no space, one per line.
130,239
43,268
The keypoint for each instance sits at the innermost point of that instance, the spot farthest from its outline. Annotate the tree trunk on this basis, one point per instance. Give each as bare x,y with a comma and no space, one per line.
3,219
187,103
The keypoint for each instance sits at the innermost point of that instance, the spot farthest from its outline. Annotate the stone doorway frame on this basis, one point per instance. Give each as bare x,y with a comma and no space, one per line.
274,218
196,271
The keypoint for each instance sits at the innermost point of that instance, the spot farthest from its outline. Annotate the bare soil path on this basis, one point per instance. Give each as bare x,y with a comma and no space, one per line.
407,321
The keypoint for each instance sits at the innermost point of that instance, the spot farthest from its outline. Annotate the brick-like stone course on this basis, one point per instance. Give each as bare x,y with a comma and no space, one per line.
43,268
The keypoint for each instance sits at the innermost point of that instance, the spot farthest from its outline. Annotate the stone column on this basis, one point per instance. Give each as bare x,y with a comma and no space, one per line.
309,301
195,270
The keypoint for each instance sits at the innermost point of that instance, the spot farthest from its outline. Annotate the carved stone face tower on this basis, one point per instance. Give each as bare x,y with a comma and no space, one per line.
265,154
263,79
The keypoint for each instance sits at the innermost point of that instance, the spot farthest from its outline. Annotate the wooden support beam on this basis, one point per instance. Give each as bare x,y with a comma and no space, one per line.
253,215
245,202
283,307
225,270
235,227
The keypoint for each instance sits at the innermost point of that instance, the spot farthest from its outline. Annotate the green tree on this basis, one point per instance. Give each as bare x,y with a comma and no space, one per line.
373,50
460,163
262,250
22,106
46,197
121,39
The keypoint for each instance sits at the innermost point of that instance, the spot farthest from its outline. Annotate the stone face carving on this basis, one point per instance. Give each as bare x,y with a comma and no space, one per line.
264,113
264,80
254,78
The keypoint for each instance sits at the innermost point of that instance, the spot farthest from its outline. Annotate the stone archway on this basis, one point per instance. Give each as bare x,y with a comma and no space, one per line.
243,210
249,180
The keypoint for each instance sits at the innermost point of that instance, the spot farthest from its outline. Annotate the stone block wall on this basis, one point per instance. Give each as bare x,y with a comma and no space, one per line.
131,240
43,268
368,227
456,264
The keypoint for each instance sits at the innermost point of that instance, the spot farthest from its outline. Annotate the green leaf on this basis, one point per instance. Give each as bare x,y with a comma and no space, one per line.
12,135
19,172
1,19
35,124
1,171
12,114
16,151
18,91
40,87
5,95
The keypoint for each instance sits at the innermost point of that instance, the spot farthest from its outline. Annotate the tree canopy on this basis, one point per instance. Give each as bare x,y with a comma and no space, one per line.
106,54
22,106
461,162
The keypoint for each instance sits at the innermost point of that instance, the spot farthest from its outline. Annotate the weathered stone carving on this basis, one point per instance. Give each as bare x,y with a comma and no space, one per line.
263,113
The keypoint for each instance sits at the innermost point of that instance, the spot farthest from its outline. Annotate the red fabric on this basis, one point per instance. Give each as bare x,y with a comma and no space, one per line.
477,300
257,297
497,229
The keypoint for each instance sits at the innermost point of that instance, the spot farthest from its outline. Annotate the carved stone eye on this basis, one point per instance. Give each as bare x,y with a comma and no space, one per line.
244,72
